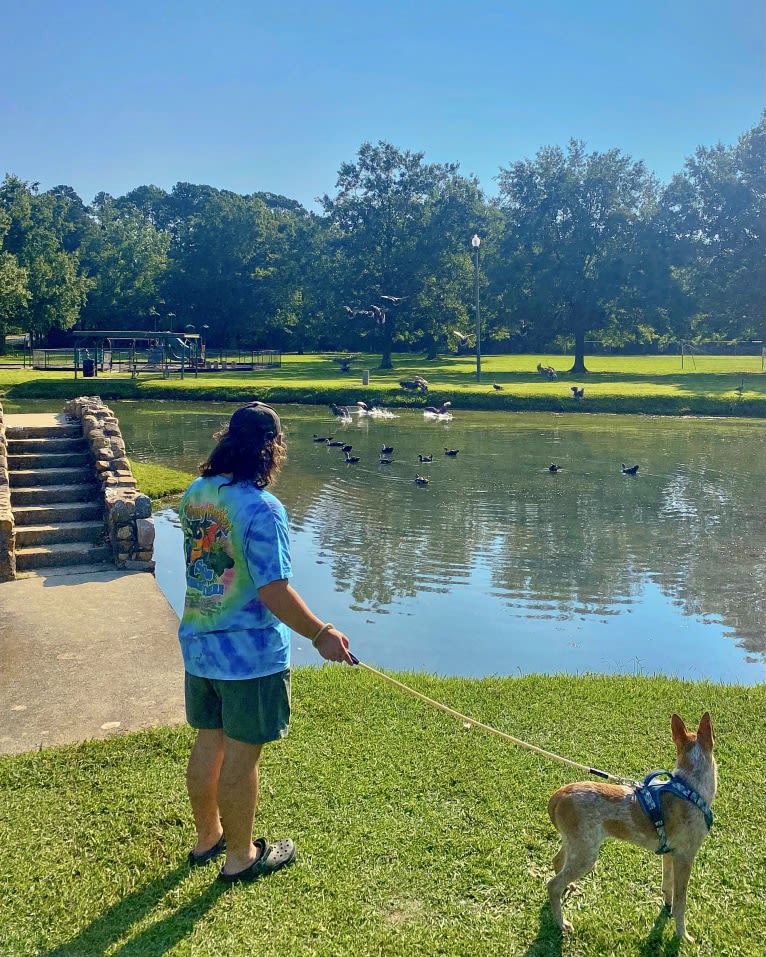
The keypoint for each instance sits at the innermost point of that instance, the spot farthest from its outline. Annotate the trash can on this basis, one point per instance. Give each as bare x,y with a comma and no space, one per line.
88,368
366,377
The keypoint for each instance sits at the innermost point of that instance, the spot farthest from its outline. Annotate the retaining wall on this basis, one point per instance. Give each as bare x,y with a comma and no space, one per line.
128,512
7,524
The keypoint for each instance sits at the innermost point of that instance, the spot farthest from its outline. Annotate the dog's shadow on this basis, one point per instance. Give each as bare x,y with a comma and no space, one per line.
655,945
549,938
547,943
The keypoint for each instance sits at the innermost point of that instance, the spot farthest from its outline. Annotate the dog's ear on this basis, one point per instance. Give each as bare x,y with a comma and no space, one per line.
680,734
705,731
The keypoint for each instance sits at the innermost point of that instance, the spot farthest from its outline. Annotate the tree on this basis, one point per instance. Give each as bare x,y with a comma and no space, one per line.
716,210
14,291
378,219
577,251
35,236
126,256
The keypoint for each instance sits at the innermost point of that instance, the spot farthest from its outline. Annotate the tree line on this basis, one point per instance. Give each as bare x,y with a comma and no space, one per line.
575,244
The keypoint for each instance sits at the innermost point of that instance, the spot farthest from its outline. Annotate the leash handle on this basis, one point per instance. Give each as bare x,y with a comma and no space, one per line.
486,727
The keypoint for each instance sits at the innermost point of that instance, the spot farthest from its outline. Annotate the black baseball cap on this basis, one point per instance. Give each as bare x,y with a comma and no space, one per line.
255,419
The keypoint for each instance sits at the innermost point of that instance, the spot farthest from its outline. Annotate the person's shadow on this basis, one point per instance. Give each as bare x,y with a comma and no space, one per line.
114,924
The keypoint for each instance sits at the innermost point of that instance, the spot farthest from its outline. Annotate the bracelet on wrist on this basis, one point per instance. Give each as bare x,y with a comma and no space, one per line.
320,632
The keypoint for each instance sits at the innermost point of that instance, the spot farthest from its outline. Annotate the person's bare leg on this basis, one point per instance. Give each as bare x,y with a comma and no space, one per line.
237,800
202,776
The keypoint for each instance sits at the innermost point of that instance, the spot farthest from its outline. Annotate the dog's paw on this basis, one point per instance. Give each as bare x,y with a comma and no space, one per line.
566,927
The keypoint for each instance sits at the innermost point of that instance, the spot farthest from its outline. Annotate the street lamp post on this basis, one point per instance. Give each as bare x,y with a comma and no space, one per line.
476,242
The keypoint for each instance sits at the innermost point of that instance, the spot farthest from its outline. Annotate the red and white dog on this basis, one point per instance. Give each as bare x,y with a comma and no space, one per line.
587,813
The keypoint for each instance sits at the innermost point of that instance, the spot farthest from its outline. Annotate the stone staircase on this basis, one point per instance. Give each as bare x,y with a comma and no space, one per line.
55,499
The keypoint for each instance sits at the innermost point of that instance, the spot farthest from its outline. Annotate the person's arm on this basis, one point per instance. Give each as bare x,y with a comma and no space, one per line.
284,601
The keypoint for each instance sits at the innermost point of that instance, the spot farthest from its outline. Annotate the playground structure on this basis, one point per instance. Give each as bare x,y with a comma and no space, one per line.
140,351
136,351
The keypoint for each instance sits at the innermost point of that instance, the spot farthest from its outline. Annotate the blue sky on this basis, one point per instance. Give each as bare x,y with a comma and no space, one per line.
252,96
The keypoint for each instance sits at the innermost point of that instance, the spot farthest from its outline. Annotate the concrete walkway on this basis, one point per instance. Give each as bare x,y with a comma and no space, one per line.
85,655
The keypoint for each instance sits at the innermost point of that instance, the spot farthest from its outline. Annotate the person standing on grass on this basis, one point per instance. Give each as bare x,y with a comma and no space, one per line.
235,638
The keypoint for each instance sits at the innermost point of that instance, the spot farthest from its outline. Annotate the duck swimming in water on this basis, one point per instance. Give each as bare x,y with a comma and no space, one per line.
351,459
629,470
425,458
421,480
553,467
451,452
386,449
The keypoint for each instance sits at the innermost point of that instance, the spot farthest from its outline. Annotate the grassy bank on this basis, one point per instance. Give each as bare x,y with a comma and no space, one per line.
416,836
709,385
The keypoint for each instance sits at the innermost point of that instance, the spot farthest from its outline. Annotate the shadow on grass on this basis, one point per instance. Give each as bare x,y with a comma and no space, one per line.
547,943
654,945
115,923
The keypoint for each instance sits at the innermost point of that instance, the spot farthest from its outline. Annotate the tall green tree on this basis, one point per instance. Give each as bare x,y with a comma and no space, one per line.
577,251
126,256
379,217
35,236
14,291
716,211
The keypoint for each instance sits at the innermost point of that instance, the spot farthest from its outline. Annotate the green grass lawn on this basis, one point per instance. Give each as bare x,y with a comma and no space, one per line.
416,836
655,385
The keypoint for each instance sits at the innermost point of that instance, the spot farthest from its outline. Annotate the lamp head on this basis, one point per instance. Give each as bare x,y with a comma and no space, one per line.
476,241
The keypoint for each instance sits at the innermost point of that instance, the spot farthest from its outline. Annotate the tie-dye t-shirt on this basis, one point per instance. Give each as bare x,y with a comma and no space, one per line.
236,540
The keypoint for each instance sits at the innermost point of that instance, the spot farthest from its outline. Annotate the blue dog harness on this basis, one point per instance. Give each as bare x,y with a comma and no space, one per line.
648,795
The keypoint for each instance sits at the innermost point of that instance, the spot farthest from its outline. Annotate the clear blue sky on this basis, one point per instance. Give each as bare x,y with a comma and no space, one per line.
250,96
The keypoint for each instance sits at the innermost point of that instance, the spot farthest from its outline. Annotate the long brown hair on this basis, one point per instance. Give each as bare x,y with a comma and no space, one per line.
257,458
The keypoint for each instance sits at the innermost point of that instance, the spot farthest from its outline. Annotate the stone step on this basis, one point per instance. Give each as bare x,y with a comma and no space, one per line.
23,446
47,494
27,478
48,460
55,571
72,431
56,533
72,553
58,512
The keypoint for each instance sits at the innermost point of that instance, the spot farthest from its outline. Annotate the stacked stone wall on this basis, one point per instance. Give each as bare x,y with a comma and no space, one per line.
7,525
129,521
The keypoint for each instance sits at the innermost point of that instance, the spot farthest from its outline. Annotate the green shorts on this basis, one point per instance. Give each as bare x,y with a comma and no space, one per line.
255,710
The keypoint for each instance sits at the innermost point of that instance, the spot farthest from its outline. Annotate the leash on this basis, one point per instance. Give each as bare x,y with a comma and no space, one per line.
489,729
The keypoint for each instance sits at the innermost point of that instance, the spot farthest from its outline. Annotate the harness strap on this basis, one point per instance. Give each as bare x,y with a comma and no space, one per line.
648,796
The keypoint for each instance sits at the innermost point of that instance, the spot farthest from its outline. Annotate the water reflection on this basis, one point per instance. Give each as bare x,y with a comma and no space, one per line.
498,565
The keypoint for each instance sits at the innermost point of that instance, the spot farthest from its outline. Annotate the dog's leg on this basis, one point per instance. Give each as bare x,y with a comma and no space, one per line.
682,868
558,860
575,859
667,880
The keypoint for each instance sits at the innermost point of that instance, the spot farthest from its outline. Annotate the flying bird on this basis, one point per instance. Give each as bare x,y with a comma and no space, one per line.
394,300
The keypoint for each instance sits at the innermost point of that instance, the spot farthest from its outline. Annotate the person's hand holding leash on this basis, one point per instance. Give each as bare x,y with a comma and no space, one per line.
332,644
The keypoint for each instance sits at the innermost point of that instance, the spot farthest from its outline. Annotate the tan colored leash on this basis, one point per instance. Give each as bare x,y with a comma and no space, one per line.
486,727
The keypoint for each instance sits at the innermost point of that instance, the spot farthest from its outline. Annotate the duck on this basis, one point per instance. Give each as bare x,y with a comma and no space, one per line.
451,452
351,459
553,467
346,448
340,410
629,470
334,445
386,449
421,480
497,387
577,393
322,438
383,461
425,458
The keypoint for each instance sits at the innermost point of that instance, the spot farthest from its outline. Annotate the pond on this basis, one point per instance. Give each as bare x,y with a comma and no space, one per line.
498,565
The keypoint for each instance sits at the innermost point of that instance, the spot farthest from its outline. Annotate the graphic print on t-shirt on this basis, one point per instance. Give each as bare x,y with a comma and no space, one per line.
209,560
